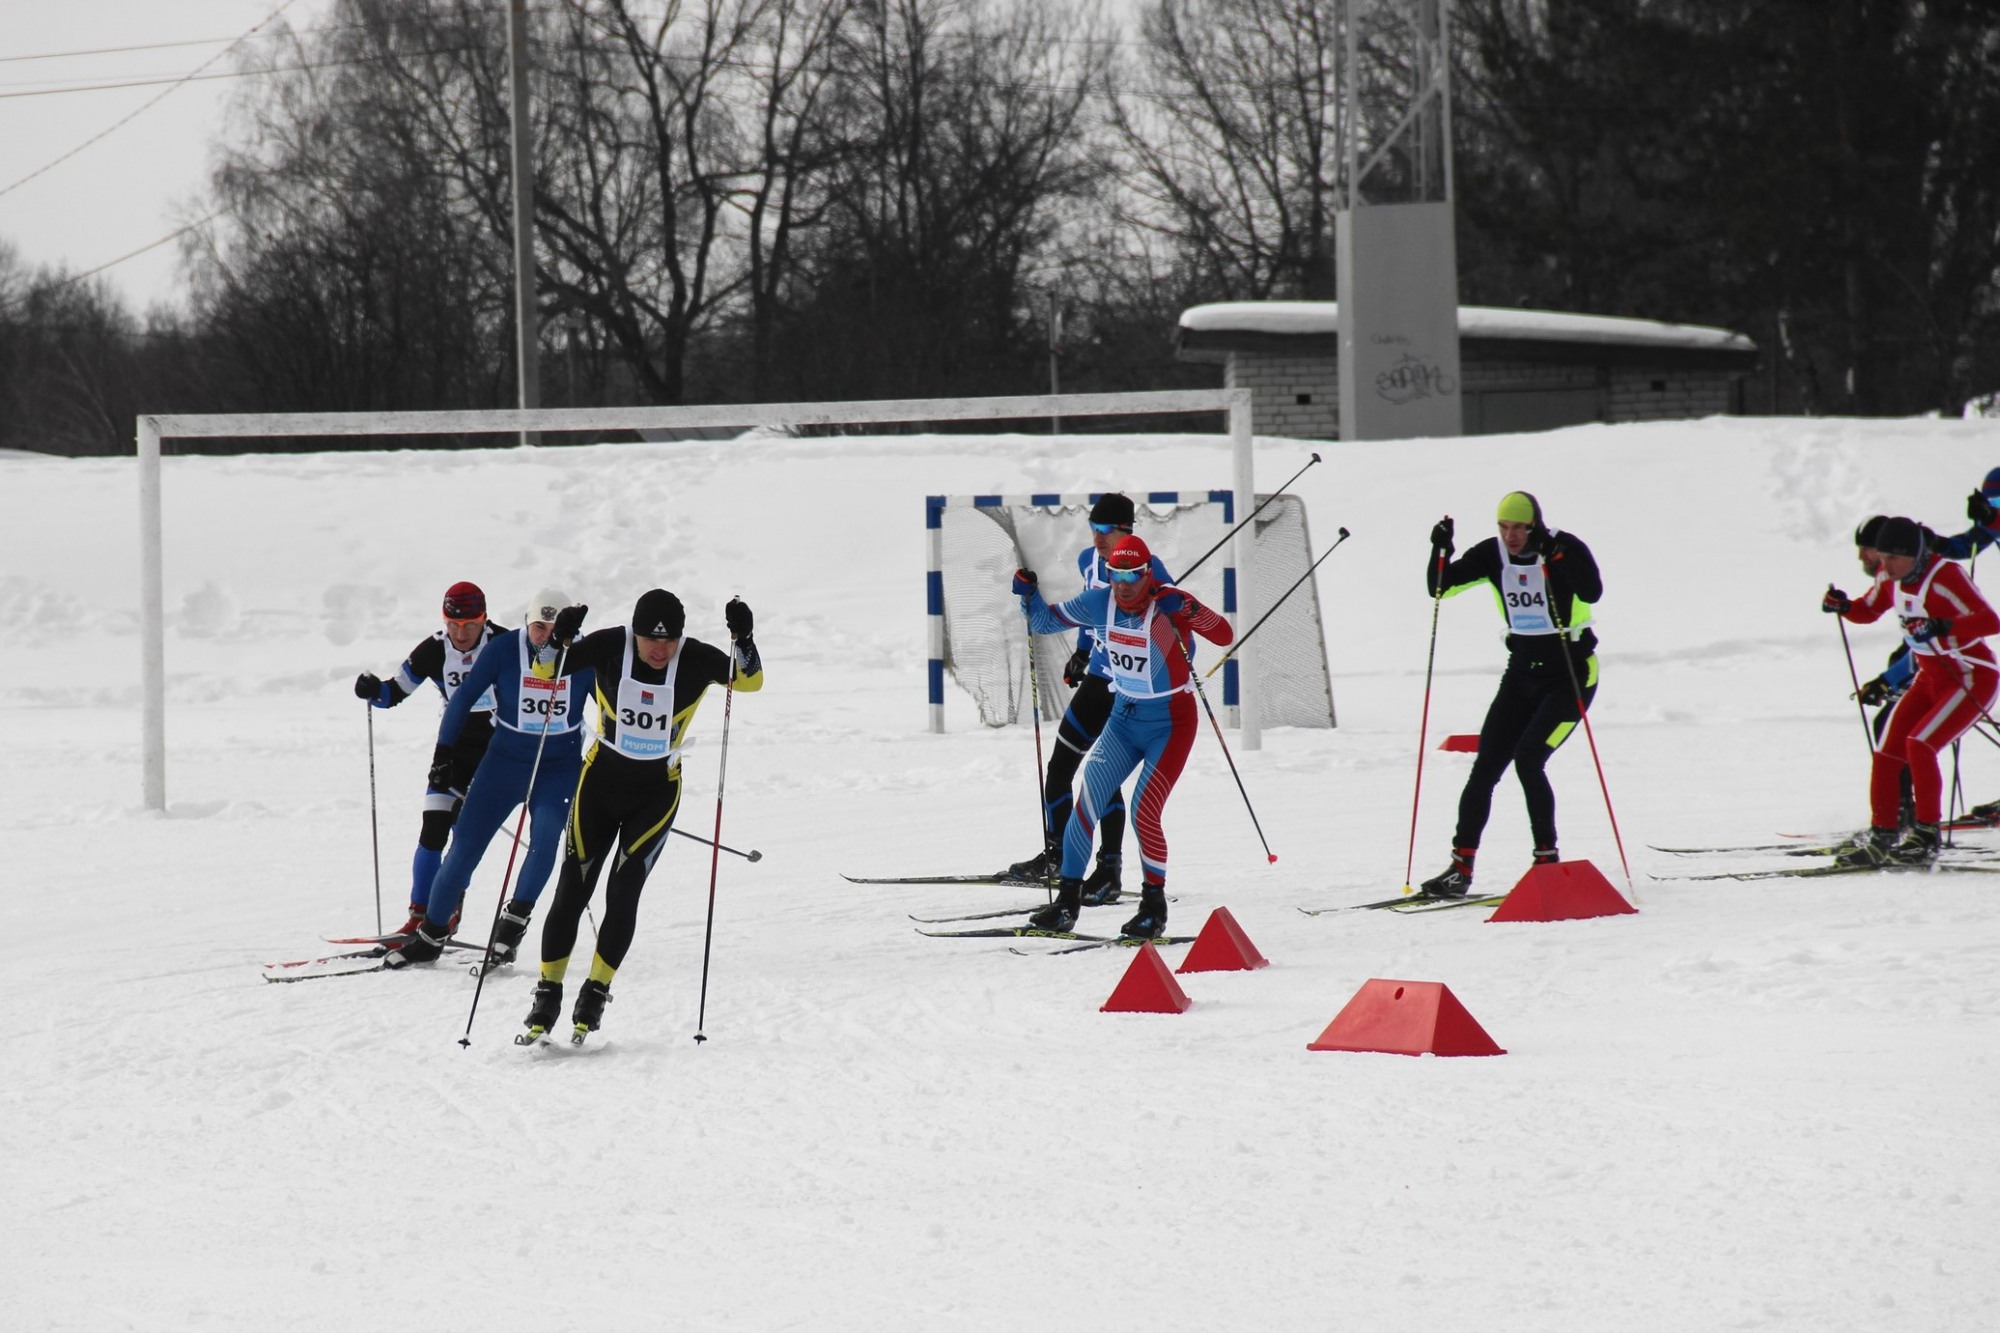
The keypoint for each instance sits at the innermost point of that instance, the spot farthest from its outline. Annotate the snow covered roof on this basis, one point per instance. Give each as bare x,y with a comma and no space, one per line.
1322,319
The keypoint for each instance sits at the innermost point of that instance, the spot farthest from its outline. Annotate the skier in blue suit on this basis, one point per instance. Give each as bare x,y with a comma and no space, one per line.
539,713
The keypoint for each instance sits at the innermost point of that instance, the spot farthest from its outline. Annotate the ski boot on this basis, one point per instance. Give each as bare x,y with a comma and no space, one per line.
1456,881
1919,847
507,935
1987,814
589,1011
1037,869
1103,887
416,920
1547,856
1869,852
1061,914
542,1013
1151,922
426,946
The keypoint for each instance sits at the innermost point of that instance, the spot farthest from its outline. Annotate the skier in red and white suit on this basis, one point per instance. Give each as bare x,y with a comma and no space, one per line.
1957,683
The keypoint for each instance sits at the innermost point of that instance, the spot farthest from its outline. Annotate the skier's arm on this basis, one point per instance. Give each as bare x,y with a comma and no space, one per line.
1479,565
485,674
1573,569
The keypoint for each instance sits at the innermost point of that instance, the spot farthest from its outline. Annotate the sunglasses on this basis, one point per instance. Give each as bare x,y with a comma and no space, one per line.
1126,575
1109,527
463,622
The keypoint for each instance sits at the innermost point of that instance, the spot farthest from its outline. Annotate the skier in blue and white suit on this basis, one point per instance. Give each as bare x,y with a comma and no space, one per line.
537,712
1144,629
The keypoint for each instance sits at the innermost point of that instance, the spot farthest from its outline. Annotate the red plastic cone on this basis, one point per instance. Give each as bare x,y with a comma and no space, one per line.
1222,947
1406,1018
1464,744
1147,987
1562,891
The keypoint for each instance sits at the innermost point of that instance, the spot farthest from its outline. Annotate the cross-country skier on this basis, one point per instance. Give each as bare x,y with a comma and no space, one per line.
1884,690
444,659
1142,625
1111,521
649,680
1957,682
1545,582
538,736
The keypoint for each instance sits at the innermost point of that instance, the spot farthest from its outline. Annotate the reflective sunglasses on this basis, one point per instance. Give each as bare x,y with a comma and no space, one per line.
1110,527
1126,575
465,621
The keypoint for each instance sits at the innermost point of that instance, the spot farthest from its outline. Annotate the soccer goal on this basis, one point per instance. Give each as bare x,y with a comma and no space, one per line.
155,431
979,639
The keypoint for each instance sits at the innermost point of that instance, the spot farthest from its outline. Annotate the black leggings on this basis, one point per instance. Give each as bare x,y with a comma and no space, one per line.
1529,719
623,807
1089,708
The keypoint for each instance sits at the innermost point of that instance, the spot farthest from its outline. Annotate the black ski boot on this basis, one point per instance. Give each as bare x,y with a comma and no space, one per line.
426,946
1151,922
1867,853
1103,887
1037,869
1919,847
1456,881
543,1012
1547,856
1987,814
507,935
1062,913
590,1002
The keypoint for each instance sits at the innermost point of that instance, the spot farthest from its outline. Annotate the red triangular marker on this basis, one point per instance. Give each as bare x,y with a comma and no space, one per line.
1147,987
1406,1018
1562,891
1222,947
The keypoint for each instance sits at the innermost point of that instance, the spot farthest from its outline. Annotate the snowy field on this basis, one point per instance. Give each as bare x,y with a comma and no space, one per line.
1752,1106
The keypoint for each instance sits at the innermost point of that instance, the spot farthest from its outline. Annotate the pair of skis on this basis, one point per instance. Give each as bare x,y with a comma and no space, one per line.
1078,943
1951,860
353,962
1411,904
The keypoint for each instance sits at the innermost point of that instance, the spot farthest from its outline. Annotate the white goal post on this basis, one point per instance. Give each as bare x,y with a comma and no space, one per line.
154,430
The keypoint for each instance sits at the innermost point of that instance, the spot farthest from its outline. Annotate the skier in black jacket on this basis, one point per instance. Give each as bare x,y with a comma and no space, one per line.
1545,583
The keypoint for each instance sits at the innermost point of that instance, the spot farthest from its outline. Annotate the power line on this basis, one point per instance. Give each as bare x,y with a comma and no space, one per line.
151,102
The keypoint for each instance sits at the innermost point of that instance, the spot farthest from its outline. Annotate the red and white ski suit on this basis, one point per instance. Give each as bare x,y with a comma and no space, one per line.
1957,683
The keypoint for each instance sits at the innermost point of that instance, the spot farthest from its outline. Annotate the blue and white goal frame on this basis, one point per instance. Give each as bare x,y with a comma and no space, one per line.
934,507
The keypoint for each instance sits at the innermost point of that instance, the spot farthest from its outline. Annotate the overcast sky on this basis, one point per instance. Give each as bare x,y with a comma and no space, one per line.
142,180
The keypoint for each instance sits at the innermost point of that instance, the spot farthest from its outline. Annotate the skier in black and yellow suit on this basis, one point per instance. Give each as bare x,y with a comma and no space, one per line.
1545,583
649,681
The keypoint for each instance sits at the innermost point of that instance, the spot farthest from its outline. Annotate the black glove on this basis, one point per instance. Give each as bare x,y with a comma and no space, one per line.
1875,692
368,686
1538,541
1980,509
736,615
442,773
1441,535
1922,629
1024,582
1558,546
1076,668
569,623
1836,602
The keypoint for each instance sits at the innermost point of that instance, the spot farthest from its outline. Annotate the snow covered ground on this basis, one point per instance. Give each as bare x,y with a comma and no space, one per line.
1751,1106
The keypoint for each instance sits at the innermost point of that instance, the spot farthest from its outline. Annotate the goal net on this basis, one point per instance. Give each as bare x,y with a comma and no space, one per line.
979,638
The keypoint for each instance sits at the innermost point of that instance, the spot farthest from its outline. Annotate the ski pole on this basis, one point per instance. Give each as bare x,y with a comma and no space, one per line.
1957,797
715,856
1424,724
1270,857
1041,769
374,830
1244,637
1562,645
1189,571
1854,676
527,801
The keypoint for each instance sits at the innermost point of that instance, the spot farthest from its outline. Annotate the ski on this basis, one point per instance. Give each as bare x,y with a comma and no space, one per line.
1787,848
1121,942
1421,905
395,937
1817,872
1400,900
1036,933
978,916
1001,877
305,969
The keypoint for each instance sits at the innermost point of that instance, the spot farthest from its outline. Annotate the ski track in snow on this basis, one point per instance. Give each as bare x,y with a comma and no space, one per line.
1752,1106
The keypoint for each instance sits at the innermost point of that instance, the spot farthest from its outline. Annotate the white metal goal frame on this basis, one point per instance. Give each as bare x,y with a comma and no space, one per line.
155,430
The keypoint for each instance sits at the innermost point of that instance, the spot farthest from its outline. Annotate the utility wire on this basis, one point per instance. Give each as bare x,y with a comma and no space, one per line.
256,28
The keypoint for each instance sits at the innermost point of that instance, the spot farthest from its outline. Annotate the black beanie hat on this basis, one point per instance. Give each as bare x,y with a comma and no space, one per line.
1900,536
1114,509
659,614
1870,529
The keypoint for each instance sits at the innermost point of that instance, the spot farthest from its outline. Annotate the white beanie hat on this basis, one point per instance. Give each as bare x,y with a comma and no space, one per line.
544,605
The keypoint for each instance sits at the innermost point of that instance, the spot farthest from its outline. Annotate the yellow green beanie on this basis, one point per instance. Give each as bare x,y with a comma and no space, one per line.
1517,507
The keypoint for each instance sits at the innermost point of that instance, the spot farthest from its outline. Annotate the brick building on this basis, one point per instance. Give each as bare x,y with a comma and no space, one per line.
1521,370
